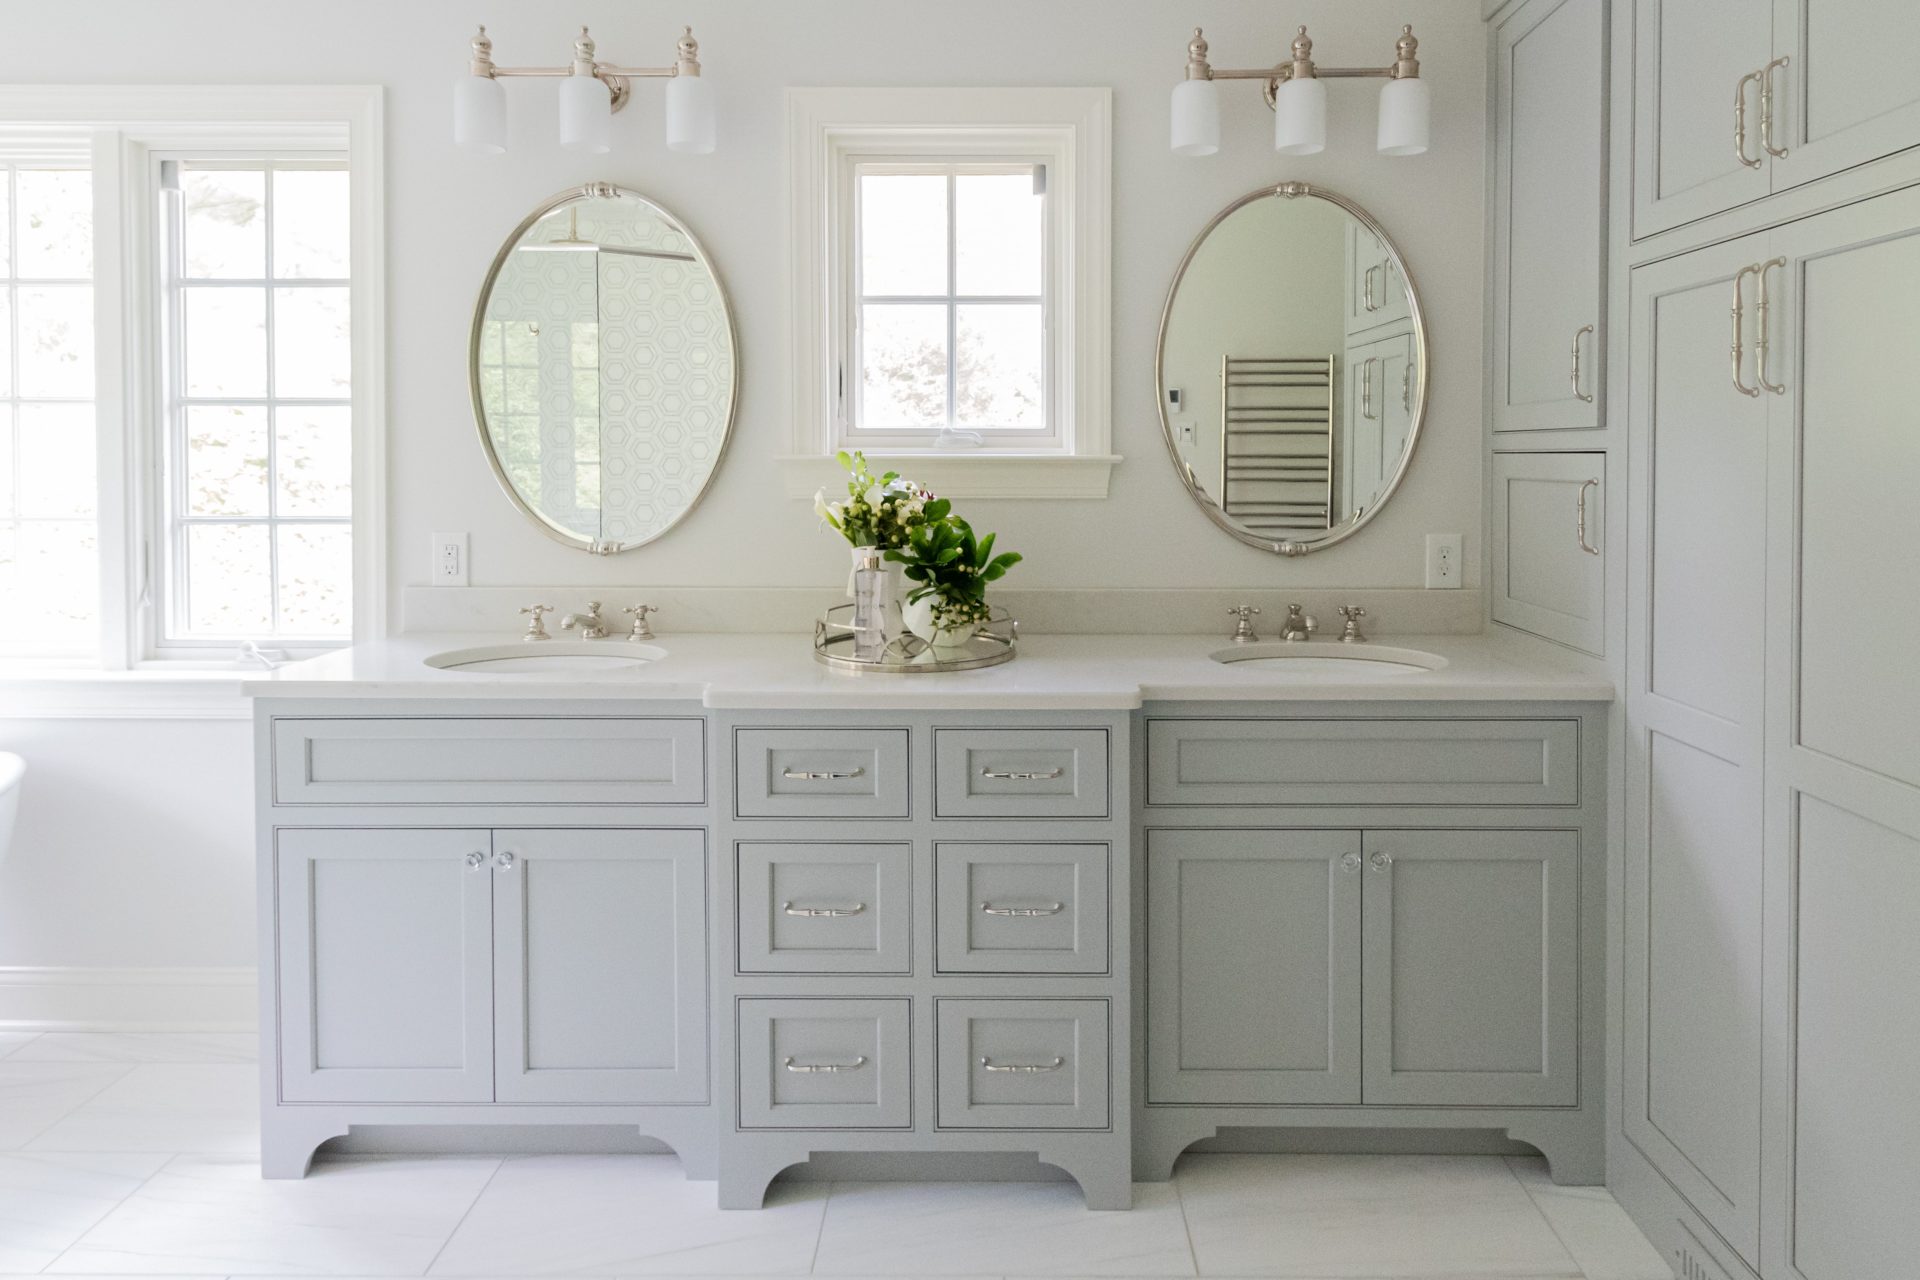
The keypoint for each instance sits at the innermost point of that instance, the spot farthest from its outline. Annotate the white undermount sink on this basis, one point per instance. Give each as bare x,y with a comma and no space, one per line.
549,658
1331,659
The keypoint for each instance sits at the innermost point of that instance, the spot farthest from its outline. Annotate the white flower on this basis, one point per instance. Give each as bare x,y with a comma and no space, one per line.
874,496
821,507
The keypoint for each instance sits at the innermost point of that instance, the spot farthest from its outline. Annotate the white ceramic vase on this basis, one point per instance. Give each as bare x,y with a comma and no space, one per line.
919,619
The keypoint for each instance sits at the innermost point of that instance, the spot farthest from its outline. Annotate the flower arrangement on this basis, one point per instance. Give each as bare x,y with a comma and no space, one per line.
878,511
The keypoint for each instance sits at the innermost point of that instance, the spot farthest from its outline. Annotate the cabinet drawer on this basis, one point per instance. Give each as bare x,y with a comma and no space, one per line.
1363,762
1021,908
488,760
1023,1064
1549,566
825,1064
825,908
820,773
1020,773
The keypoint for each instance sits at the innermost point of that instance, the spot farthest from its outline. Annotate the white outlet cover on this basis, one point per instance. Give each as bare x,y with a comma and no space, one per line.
448,566
1444,570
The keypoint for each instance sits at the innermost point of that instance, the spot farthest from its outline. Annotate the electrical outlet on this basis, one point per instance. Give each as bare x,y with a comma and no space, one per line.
1443,560
449,560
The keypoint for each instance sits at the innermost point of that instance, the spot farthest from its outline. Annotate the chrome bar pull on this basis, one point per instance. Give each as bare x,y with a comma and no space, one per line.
1580,507
1766,109
1024,1068
1578,334
1740,120
1738,351
815,1068
1051,909
1366,388
1406,387
813,913
1366,290
822,775
1763,329
1012,776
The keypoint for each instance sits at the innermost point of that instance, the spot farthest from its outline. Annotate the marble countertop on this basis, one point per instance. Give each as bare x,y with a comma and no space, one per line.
1052,672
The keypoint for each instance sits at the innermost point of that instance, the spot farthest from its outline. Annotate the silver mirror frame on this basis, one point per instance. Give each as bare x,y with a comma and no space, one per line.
571,196
1354,523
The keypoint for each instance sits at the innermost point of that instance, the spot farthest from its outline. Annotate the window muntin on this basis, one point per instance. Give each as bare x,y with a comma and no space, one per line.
49,533
255,373
949,306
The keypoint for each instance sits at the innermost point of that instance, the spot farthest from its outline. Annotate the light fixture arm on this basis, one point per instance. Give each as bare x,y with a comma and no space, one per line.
616,78
1406,65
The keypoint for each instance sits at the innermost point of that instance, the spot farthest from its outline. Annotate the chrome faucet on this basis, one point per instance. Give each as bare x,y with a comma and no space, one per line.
1298,626
536,629
1350,634
592,625
642,629
1243,629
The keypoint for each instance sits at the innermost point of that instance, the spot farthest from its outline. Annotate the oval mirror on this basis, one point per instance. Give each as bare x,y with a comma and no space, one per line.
604,368
1292,368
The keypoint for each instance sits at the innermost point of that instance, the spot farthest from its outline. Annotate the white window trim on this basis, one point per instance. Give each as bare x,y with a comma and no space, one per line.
126,122
1074,127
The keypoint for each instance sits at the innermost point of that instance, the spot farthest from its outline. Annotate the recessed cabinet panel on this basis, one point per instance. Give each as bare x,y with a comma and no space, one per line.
824,1064
600,947
1023,1064
1846,94
820,773
1472,968
385,965
1253,967
1022,908
1020,773
838,907
1549,563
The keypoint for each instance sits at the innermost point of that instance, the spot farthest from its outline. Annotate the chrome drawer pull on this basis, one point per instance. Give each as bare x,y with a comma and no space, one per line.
1025,1068
810,1068
1051,909
1012,776
811,912
822,775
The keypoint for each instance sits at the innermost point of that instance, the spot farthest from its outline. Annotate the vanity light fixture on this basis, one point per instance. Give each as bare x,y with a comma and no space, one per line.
590,92
1299,100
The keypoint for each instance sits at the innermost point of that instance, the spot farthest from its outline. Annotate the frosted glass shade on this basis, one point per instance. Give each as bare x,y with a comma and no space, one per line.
1196,118
480,115
690,113
1300,117
1406,111
586,115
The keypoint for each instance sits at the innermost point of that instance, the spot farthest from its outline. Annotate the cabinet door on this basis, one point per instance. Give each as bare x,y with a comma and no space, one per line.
1696,665
1471,971
1253,967
1548,215
1689,58
1549,570
601,966
386,968
1847,93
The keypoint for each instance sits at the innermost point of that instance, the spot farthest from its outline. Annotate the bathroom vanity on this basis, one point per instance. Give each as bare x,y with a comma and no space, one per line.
1093,907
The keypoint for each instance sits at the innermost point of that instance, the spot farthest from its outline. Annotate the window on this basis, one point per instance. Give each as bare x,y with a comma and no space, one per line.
256,357
950,285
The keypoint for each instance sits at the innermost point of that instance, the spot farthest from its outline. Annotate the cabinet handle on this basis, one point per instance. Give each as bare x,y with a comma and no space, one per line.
1406,387
1011,776
1349,862
1740,120
476,860
503,862
1024,1068
1366,388
1737,351
1766,109
1763,329
815,912
1580,507
1381,861
1366,289
814,1068
822,775
1051,909
1574,377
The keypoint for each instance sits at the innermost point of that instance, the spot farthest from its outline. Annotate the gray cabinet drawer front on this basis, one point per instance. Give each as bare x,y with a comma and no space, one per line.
1023,1064
1020,773
489,760
1021,908
825,1064
820,773
1363,762
825,907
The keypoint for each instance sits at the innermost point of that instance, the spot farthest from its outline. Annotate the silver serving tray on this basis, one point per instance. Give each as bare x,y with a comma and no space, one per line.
996,642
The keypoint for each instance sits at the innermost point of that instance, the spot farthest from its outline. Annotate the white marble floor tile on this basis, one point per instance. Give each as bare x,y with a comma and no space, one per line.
48,1201
85,1046
35,1095
1592,1225
998,1228
216,1215
11,1041
627,1215
1365,1216
210,1108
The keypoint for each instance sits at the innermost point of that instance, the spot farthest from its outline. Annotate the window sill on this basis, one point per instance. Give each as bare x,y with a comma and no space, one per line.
970,474
29,692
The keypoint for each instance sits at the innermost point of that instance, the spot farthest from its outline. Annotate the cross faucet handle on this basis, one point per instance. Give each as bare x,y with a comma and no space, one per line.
1351,633
642,629
1243,629
536,629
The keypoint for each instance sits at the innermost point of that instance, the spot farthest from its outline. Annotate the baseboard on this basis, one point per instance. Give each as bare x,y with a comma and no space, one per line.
76,999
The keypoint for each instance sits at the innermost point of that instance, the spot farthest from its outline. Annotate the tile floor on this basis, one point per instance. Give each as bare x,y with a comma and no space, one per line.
133,1155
